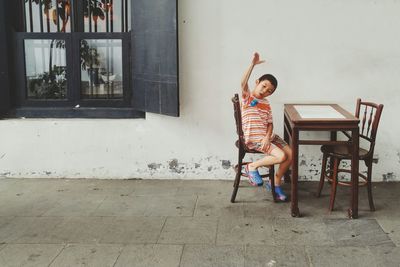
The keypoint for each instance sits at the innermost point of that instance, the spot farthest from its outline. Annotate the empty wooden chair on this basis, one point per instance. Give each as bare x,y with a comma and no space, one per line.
242,150
369,121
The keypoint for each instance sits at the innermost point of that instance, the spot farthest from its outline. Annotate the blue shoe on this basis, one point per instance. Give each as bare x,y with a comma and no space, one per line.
255,178
280,194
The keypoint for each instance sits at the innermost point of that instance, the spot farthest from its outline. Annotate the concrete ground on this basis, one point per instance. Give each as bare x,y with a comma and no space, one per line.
59,222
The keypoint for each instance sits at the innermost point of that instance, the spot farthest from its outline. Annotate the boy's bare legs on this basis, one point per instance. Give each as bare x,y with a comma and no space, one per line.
277,156
284,166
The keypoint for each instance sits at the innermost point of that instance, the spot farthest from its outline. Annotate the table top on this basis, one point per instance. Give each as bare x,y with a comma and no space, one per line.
319,113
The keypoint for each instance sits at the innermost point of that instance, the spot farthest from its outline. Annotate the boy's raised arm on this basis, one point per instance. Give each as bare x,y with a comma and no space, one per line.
244,84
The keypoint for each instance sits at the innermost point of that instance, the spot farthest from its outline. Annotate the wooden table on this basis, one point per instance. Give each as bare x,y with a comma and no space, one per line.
320,117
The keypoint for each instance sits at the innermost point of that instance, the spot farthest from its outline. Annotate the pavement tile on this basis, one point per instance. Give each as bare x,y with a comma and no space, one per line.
211,255
88,255
217,207
360,232
84,230
137,230
242,231
257,256
386,255
300,231
392,228
340,256
146,206
212,188
25,204
30,230
71,207
28,254
153,255
155,187
189,230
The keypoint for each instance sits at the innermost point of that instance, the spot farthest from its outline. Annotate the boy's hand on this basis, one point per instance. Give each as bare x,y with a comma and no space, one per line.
256,59
265,142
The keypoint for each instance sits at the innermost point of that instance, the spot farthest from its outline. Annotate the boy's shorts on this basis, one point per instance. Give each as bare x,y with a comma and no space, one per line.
276,141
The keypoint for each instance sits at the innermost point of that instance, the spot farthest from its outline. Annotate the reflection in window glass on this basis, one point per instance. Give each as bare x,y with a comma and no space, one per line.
48,15
106,15
101,69
46,69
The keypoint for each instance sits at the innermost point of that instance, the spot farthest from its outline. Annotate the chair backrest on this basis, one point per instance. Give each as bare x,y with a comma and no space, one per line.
369,114
238,118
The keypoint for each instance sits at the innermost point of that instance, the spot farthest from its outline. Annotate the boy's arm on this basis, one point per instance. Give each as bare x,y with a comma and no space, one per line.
244,84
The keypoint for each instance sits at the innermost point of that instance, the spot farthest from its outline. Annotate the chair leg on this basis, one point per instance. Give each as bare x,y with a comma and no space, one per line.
272,180
238,174
323,172
334,183
369,186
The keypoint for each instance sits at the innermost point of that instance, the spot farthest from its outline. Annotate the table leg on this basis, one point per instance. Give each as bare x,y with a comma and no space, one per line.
353,210
287,140
333,138
295,165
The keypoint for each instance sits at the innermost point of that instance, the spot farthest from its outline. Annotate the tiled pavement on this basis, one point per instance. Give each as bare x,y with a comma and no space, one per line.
59,222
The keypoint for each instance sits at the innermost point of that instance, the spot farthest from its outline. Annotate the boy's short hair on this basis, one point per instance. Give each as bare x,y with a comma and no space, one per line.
271,78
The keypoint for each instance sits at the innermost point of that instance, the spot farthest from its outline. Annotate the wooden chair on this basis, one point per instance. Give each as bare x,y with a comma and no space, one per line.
368,129
242,150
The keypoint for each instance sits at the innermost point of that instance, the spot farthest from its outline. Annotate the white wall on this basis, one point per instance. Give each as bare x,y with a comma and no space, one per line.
320,51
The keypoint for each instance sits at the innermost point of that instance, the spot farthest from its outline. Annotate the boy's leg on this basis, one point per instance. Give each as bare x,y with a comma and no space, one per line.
276,156
284,166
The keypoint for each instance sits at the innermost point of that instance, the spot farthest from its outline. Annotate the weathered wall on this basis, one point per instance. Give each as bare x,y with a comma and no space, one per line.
321,51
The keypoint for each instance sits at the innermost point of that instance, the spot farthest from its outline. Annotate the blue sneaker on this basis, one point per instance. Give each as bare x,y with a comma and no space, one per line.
280,194
254,177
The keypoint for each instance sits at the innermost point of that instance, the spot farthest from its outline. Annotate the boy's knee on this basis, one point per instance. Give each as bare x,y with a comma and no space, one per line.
289,155
282,158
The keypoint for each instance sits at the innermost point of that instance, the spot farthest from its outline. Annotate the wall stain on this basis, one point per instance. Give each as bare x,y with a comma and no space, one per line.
388,177
174,166
197,165
154,166
226,164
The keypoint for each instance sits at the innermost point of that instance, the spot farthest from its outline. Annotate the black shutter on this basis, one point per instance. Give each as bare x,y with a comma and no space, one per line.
155,56
4,80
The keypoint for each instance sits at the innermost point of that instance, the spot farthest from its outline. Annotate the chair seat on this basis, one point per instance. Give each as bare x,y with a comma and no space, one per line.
342,151
246,149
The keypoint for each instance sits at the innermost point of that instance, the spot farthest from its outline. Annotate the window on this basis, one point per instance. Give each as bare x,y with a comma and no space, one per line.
94,58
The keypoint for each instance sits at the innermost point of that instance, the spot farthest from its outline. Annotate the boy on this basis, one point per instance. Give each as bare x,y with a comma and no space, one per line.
258,129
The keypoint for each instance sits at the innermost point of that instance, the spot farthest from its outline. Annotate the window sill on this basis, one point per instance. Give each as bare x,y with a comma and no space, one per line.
82,112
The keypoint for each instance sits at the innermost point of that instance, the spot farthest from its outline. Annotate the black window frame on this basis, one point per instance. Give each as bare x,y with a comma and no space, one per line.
72,46
139,97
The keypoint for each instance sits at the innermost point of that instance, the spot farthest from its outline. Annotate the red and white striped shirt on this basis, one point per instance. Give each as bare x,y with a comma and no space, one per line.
256,116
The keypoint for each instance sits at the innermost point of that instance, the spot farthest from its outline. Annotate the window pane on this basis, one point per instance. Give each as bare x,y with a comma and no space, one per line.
106,15
46,69
101,69
48,15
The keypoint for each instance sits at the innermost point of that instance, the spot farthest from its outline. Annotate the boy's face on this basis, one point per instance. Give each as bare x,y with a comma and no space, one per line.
263,89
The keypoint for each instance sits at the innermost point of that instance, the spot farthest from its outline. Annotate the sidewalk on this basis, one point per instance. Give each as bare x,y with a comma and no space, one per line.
60,222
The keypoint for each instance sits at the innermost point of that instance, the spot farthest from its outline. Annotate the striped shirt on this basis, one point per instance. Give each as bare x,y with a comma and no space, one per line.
256,116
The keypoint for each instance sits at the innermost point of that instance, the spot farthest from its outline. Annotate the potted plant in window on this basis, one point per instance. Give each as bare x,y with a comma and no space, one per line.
90,61
50,84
